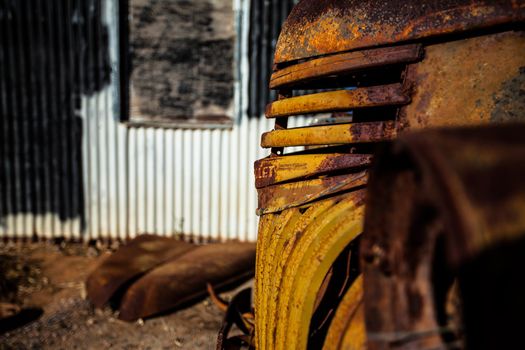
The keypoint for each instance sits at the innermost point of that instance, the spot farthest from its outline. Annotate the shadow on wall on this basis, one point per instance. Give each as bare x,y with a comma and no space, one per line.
51,53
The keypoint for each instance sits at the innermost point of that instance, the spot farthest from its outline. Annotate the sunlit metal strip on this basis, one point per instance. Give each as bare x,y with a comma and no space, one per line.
272,170
330,134
343,64
280,197
339,100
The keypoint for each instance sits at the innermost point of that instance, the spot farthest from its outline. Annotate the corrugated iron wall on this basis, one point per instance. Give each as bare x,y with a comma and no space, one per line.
102,179
52,52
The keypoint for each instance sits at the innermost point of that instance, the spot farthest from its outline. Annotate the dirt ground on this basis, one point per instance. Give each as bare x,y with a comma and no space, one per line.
47,281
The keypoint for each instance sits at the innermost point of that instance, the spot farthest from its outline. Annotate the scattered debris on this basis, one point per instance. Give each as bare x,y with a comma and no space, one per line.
184,279
239,313
70,322
130,262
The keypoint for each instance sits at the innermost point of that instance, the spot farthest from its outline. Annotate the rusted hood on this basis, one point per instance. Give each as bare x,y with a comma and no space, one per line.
320,27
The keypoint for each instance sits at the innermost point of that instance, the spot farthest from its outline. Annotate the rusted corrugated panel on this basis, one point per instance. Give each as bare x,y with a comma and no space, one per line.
317,28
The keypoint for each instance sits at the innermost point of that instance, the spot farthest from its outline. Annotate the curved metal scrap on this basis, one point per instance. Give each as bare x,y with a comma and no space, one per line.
320,27
185,278
444,204
131,261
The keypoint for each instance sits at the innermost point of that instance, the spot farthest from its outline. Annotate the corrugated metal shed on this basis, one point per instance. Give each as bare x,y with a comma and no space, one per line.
195,183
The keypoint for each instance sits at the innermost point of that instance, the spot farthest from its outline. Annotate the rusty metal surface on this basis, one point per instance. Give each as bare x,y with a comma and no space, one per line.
471,81
316,28
280,197
330,134
344,63
185,278
274,170
443,205
339,100
132,260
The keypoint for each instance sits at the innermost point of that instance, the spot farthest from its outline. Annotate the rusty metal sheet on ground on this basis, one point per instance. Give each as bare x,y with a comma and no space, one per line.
185,278
135,258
